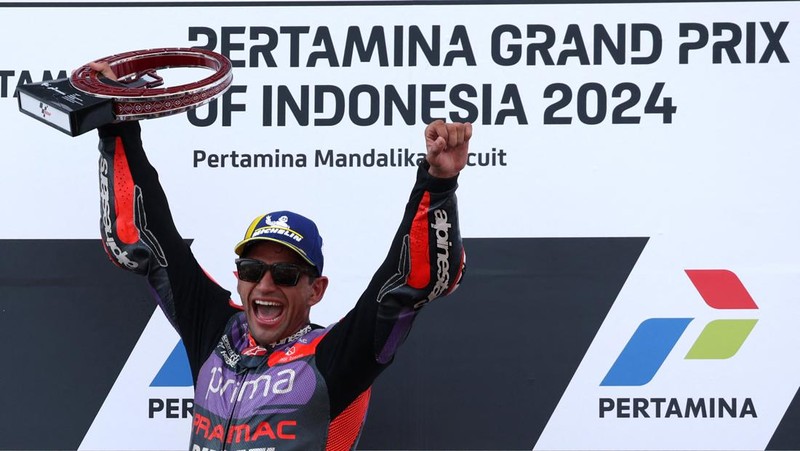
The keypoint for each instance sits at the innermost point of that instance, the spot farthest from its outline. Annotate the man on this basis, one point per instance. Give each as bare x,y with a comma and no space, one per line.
265,376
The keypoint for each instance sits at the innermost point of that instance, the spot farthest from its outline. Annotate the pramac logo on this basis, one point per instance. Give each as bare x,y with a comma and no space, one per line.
654,339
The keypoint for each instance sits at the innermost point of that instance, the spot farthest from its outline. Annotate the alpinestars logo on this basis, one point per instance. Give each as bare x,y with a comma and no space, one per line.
654,339
105,203
443,245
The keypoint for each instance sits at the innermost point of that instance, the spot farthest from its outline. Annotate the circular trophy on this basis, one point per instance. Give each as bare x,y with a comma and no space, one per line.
134,100
87,100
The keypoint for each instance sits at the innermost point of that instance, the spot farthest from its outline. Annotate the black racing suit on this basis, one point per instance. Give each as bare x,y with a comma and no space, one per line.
310,391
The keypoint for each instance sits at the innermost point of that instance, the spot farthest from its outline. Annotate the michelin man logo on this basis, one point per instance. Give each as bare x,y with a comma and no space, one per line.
281,222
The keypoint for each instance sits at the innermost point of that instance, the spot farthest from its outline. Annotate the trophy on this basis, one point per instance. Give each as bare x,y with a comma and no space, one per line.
87,100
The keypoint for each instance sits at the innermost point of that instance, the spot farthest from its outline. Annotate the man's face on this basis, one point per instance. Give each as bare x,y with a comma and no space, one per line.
275,311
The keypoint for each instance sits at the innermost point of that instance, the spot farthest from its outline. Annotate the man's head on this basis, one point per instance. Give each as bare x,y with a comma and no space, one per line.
280,274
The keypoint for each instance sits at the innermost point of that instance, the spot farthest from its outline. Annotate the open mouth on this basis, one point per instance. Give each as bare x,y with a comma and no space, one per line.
267,311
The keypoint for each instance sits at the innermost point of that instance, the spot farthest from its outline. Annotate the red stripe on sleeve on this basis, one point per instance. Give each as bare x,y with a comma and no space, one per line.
420,275
123,196
346,428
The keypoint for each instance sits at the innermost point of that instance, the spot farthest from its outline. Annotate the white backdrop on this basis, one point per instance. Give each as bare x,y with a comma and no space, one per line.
714,189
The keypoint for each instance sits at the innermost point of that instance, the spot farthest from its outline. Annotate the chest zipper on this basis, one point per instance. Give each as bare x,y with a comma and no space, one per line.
243,378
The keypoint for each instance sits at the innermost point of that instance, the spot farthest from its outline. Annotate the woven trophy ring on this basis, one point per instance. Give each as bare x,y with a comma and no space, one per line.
143,102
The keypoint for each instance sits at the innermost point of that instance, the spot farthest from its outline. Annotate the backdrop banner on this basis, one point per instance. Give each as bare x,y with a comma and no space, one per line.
629,209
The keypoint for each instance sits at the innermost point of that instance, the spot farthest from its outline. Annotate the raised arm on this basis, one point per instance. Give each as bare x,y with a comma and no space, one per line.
425,261
139,235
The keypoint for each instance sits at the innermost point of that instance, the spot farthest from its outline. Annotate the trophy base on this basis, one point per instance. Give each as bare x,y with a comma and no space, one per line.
57,103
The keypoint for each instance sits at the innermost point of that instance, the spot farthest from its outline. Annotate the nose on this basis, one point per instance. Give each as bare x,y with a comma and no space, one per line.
266,281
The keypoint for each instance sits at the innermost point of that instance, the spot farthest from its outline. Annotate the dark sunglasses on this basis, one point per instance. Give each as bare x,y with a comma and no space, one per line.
286,274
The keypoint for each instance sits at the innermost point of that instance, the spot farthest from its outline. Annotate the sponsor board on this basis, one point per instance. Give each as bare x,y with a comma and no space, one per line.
670,123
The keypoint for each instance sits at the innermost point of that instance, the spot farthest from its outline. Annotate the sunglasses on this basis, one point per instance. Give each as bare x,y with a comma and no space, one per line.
286,274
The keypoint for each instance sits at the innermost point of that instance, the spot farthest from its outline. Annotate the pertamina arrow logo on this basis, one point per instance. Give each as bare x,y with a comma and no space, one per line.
654,339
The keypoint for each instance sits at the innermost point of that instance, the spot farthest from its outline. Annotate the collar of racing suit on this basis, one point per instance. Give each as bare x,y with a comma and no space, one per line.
256,350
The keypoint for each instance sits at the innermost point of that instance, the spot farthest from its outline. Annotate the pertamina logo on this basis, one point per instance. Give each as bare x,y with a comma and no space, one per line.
175,372
654,339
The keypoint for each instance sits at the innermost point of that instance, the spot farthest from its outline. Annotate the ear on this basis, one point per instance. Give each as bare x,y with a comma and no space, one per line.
318,287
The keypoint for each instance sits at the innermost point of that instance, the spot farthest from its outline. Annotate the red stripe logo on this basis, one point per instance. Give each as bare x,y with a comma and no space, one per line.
123,196
419,240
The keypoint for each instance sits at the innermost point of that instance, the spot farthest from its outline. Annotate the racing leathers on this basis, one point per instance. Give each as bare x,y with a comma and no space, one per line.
309,391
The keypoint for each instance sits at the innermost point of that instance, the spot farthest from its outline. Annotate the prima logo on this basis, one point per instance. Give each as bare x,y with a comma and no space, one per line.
653,340
265,385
